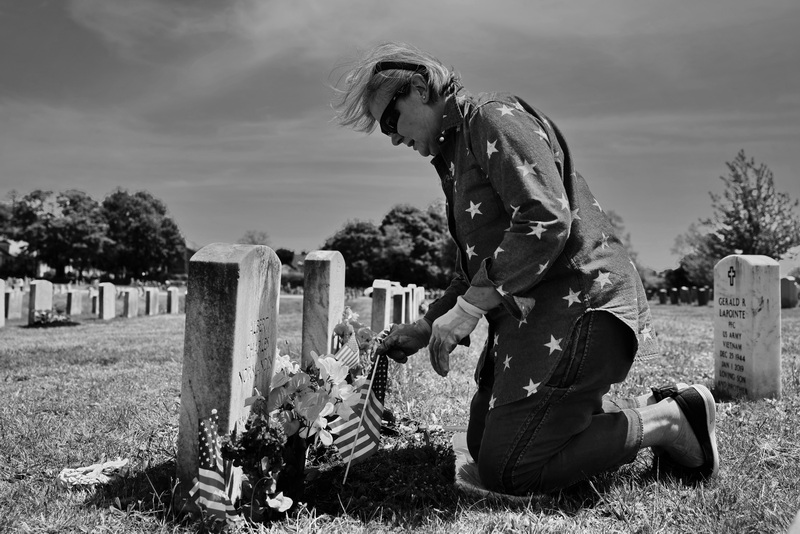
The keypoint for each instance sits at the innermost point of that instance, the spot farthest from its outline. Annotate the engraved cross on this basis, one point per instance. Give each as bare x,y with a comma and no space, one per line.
731,274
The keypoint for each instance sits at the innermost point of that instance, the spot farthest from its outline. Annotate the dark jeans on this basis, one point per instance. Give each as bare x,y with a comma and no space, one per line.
566,431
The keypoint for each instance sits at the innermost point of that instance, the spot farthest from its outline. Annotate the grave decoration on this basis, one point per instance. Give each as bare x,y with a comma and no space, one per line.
306,412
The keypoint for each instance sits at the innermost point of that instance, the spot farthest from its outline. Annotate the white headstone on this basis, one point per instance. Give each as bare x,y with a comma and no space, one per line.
788,292
40,299
323,301
172,300
381,305
130,303
747,326
108,301
3,303
13,304
74,302
151,301
229,345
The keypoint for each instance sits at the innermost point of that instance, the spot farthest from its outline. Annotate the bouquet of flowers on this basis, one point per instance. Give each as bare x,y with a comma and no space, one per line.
296,414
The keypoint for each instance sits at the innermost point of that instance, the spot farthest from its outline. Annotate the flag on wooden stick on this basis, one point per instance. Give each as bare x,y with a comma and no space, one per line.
359,435
209,488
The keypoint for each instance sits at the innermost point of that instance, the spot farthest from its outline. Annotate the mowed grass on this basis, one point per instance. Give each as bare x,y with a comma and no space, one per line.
74,396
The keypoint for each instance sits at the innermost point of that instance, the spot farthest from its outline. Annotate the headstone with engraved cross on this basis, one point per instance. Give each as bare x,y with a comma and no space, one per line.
747,327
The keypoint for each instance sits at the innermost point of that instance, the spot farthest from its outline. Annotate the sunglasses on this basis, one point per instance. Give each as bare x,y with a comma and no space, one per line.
390,115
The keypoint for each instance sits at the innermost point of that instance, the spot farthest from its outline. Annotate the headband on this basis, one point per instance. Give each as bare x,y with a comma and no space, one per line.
400,65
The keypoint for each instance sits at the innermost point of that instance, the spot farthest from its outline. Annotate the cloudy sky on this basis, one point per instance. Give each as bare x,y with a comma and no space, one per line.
222,108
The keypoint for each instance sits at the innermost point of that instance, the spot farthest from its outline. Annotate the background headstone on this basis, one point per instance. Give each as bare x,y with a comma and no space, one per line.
74,303
130,303
398,303
788,292
95,301
40,299
229,345
381,305
151,301
14,304
172,300
662,296
323,301
673,295
108,301
747,326
685,295
2,303
702,297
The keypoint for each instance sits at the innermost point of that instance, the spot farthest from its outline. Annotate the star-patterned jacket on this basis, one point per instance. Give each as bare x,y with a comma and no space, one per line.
526,223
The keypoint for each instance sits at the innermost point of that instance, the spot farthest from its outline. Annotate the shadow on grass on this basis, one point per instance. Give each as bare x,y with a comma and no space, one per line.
147,492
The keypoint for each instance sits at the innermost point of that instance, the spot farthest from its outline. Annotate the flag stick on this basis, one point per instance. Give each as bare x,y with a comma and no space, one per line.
361,419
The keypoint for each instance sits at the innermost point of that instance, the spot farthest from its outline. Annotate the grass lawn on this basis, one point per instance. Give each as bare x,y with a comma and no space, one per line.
74,396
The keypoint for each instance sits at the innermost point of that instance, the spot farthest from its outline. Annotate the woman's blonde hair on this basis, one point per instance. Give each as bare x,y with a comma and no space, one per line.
362,82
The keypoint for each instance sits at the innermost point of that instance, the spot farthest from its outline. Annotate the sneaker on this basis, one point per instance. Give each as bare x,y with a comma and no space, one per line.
698,406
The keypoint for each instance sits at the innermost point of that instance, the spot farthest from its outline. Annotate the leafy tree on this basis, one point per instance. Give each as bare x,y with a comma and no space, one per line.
254,237
285,255
145,240
360,242
750,217
67,229
5,219
415,242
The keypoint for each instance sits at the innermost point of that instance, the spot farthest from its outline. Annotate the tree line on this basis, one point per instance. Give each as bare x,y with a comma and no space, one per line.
127,235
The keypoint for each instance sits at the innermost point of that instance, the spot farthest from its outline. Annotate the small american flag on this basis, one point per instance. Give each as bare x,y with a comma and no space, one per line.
209,486
348,353
359,435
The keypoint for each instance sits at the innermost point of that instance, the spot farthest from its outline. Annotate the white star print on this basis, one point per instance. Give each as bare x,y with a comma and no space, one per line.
554,345
575,214
572,298
474,209
531,388
505,110
519,106
526,169
452,168
564,202
543,266
646,333
496,340
507,362
537,229
541,133
491,402
604,241
490,148
471,251
497,251
596,203
603,278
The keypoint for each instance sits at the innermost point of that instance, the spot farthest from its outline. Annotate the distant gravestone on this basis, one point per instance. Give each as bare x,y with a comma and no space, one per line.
229,345
381,305
107,295
788,292
40,299
702,297
662,296
693,294
747,326
398,303
74,303
420,298
2,303
151,301
685,295
130,303
13,304
172,300
323,301
673,296
95,301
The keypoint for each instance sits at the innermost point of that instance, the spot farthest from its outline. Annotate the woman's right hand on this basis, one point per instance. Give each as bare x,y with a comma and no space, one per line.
404,340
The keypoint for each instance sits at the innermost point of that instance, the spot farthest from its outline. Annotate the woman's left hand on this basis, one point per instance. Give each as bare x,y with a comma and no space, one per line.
447,331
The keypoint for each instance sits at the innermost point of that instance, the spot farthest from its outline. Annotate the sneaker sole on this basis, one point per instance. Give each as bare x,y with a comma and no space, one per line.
708,441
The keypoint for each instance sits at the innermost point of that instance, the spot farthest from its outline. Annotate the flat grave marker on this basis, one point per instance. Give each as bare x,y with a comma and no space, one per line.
747,327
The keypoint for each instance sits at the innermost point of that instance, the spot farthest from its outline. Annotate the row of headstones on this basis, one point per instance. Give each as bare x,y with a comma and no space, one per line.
40,299
393,303
700,296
